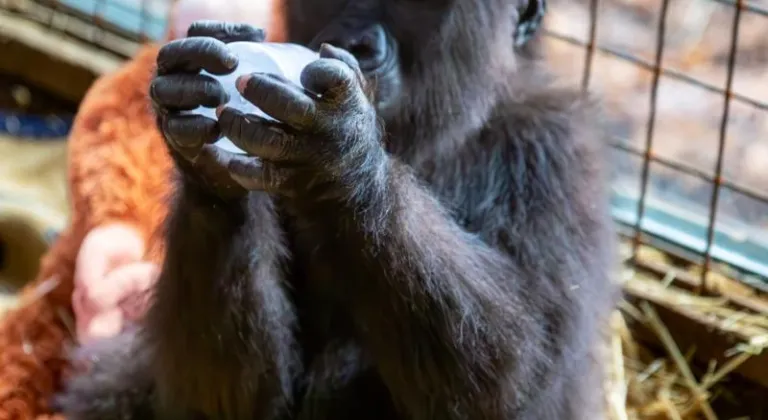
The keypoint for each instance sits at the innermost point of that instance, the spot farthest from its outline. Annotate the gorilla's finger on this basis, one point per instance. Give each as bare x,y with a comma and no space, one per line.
331,78
260,137
215,159
226,32
190,55
278,98
258,175
188,133
187,91
329,51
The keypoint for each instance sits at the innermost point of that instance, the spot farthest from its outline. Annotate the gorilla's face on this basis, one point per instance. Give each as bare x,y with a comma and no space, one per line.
431,62
360,27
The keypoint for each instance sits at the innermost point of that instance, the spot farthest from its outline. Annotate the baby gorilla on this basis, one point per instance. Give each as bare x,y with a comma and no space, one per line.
423,235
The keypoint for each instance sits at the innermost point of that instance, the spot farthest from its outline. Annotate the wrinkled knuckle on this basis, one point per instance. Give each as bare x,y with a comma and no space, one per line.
317,68
168,49
349,75
335,75
248,134
275,178
164,57
347,79
283,148
337,69
231,30
252,89
253,84
200,27
172,129
251,30
348,60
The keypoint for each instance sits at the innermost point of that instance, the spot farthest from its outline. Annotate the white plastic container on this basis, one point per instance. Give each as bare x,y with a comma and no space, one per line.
287,60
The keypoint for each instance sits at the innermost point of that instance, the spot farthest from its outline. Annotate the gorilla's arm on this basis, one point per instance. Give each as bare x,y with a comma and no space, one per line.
446,316
222,326
460,328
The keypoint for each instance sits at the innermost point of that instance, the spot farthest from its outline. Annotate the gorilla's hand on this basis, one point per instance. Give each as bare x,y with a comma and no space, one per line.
327,136
179,87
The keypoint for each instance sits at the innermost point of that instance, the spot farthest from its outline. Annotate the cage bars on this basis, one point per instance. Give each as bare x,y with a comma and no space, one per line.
589,56
717,182
661,31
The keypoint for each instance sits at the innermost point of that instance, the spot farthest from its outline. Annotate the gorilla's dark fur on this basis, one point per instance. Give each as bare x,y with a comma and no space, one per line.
469,281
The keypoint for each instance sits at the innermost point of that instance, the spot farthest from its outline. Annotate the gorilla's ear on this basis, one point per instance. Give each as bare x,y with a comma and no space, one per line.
530,14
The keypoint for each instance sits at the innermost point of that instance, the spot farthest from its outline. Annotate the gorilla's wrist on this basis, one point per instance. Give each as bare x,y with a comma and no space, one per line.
206,177
205,201
347,192
362,187
211,190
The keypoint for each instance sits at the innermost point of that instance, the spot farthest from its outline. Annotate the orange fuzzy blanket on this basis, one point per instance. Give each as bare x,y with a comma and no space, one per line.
118,172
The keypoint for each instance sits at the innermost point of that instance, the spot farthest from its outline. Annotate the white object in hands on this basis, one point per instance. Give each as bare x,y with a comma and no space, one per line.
287,60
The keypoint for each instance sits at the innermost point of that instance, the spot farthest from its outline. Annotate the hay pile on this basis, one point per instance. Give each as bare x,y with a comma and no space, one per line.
649,384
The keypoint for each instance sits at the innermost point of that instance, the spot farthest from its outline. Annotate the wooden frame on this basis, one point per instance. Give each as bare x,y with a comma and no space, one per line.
45,58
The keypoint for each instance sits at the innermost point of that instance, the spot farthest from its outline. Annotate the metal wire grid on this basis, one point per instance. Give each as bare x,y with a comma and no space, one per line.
46,12
647,153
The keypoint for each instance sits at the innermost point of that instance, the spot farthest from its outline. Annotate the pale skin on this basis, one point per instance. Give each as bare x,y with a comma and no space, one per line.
110,275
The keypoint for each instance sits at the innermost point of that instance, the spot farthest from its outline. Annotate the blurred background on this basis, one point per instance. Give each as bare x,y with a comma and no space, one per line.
685,84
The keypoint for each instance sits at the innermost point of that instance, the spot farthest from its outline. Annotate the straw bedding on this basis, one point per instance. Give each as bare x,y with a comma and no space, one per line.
663,383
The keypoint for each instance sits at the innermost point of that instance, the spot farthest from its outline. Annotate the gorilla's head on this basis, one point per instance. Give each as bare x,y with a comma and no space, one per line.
430,60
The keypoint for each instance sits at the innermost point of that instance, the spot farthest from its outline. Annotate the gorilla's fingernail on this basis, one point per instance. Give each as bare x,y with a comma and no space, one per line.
230,61
242,82
325,49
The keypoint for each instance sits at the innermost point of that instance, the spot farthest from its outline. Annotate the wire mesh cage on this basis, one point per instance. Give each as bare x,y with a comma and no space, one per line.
687,94
687,101
685,84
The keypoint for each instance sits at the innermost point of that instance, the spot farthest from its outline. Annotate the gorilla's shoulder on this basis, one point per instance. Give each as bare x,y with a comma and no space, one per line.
548,111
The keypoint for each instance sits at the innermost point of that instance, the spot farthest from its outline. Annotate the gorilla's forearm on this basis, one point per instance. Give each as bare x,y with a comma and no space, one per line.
441,312
220,318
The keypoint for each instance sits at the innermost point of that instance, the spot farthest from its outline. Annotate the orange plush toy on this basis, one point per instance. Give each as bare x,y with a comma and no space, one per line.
90,282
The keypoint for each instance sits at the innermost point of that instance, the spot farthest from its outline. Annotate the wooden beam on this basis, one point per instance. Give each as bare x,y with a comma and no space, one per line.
49,60
689,330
